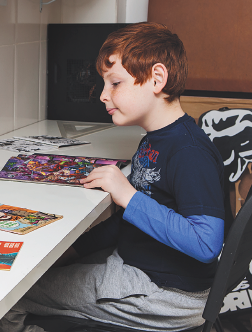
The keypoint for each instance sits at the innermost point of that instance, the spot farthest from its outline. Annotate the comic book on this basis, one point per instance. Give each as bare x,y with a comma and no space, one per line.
53,140
54,169
8,253
21,221
32,144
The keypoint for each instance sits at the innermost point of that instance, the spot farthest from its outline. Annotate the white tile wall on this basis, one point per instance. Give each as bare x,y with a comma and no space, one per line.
23,34
7,23
42,80
23,41
28,21
7,55
26,94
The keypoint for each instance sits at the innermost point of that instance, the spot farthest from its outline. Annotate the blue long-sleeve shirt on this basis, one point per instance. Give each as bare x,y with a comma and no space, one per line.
200,237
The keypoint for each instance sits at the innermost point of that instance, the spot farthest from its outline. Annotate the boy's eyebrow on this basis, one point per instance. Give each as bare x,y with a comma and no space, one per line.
109,75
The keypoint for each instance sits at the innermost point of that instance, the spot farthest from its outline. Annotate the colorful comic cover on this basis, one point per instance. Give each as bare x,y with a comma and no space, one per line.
53,169
8,253
21,221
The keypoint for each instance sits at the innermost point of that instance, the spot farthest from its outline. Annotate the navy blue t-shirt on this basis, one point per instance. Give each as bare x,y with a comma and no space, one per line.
179,167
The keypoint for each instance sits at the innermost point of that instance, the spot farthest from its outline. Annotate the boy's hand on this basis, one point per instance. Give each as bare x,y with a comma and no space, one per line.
112,180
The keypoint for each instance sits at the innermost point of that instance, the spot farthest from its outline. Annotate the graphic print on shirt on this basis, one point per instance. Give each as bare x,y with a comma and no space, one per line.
142,175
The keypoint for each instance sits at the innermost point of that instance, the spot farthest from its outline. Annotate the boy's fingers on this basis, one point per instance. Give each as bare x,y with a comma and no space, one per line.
97,173
93,184
87,179
91,177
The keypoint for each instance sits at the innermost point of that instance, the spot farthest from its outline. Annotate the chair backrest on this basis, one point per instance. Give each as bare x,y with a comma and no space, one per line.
233,264
230,130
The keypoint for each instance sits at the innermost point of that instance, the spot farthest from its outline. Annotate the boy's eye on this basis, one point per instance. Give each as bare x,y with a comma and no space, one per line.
115,84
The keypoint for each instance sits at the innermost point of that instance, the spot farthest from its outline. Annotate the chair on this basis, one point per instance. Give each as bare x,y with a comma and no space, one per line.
232,269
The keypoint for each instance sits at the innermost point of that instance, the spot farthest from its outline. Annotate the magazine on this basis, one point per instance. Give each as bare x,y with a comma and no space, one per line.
21,221
54,169
8,253
31,144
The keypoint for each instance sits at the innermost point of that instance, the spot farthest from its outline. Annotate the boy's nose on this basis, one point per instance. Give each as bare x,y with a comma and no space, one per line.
104,96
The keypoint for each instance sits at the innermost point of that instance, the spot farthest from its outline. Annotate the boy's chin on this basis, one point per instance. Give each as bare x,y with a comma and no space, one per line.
121,121
125,124
117,122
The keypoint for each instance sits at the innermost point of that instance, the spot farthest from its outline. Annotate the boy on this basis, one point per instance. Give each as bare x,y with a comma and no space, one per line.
169,231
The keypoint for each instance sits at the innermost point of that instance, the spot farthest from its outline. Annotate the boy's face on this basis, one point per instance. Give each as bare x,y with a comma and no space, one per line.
128,103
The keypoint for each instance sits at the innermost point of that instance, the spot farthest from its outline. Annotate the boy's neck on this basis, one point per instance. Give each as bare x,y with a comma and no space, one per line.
165,114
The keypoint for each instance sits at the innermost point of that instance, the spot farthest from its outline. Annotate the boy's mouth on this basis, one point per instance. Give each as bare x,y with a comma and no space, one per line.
111,111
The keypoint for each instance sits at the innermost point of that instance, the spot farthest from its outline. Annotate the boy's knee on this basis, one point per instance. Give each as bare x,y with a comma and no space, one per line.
13,321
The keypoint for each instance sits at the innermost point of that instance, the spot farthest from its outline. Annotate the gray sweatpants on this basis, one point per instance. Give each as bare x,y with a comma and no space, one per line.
109,292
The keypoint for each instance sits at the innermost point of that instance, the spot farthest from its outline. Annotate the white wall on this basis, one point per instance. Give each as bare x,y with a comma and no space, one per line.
132,11
23,61
89,11
104,11
23,41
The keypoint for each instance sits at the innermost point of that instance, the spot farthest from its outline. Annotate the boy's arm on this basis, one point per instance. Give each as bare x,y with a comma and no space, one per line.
200,237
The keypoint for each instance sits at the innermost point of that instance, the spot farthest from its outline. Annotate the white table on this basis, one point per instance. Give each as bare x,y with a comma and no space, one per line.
80,207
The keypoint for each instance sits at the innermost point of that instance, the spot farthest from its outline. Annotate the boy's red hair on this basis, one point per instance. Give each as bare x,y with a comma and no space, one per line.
142,45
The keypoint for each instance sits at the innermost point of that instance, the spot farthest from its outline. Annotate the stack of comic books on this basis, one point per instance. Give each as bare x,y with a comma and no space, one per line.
53,169
19,221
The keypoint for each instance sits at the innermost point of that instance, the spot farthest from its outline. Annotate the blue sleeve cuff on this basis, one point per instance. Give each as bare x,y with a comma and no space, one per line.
133,203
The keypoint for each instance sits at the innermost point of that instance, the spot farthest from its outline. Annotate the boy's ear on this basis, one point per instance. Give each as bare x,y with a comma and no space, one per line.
159,76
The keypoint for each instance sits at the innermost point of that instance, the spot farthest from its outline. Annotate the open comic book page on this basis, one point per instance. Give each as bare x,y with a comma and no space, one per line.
53,140
8,253
33,144
21,221
54,169
22,145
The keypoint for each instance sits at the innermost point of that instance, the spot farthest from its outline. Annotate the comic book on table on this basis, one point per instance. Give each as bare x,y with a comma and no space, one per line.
54,169
53,140
42,143
8,253
21,220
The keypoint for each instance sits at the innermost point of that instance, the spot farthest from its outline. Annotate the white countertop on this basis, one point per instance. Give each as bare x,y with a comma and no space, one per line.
79,206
